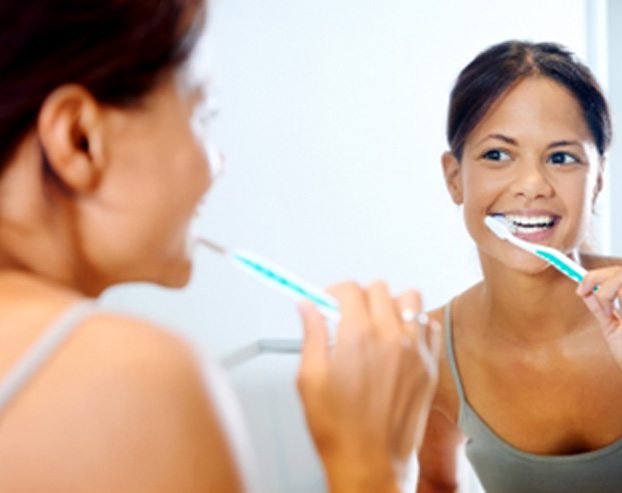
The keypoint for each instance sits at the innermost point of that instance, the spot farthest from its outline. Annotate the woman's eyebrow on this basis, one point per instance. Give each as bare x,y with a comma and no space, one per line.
504,138
563,143
511,141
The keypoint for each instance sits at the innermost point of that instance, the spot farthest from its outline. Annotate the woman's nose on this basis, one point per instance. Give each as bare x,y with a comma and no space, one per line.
531,180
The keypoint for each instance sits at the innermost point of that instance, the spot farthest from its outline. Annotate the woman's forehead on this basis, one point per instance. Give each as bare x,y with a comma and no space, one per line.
536,105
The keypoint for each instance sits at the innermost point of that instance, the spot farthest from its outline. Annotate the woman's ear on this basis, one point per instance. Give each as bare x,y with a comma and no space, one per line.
453,179
69,129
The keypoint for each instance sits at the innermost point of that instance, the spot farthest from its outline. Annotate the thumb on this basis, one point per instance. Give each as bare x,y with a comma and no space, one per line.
610,325
315,350
607,321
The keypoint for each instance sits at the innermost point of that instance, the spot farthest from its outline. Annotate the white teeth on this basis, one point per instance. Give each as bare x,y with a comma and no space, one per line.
529,229
530,224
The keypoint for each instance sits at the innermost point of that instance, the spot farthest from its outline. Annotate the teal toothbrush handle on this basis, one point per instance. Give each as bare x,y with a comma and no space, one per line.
287,283
564,264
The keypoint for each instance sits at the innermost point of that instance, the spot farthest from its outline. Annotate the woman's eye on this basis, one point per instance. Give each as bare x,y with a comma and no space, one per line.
496,155
562,158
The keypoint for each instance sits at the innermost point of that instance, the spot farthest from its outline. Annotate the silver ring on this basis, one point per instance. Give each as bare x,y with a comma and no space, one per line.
409,315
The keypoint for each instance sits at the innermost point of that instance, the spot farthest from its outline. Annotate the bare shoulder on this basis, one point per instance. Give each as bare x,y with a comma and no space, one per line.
593,261
125,409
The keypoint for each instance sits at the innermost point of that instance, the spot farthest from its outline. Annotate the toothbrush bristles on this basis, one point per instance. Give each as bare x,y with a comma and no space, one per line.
211,245
508,224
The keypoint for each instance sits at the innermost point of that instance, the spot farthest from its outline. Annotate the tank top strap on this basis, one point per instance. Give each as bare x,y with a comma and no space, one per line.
36,356
451,355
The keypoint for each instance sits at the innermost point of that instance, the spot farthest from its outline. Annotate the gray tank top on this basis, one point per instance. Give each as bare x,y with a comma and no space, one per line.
502,468
21,373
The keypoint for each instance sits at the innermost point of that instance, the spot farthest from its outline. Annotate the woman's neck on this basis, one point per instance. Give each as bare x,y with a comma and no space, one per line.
529,307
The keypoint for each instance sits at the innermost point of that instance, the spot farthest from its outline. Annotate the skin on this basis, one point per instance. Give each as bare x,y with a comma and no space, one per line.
545,380
123,405
391,405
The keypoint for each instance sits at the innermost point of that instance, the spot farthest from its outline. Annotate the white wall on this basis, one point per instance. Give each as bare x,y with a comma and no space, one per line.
332,121
614,16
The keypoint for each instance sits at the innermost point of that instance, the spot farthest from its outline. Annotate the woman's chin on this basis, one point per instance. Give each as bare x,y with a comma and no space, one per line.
170,274
516,260
177,276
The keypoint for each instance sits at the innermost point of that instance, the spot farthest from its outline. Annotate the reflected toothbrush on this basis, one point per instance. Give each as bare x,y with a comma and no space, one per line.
278,278
500,227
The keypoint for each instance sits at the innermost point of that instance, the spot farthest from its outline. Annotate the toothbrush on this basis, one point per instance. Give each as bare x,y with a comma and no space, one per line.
561,262
278,278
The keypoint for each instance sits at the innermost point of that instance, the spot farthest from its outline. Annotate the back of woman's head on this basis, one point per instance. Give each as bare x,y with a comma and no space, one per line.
117,49
498,68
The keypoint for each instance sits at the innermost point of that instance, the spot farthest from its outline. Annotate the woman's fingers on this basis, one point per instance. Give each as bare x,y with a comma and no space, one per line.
424,330
601,289
595,277
379,378
413,406
409,306
598,310
315,347
385,317
353,306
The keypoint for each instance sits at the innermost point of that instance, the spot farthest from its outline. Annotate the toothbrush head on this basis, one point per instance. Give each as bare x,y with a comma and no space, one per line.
198,240
499,226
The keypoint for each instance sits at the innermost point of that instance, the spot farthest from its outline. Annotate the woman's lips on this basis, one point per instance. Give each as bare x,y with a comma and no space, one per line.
539,236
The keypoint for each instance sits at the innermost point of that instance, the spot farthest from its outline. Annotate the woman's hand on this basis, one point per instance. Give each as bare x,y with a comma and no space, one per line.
367,398
601,290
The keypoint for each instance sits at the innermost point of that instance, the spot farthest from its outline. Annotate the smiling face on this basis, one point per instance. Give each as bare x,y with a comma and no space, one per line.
533,160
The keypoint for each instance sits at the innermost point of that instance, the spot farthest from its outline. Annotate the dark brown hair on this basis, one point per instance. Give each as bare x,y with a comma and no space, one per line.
117,49
499,67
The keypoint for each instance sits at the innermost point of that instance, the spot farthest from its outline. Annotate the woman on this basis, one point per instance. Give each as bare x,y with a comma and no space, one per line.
102,170
531,373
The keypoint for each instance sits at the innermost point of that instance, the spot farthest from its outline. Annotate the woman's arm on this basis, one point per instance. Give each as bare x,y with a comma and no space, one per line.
438,460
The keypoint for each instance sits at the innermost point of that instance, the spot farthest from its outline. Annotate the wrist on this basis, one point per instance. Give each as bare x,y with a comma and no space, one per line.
359,484
361,475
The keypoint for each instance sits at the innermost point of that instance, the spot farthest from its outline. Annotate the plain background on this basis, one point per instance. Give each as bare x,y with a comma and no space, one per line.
332,117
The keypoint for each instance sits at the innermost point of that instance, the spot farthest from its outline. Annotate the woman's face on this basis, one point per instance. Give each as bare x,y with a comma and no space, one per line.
159,173
533,160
